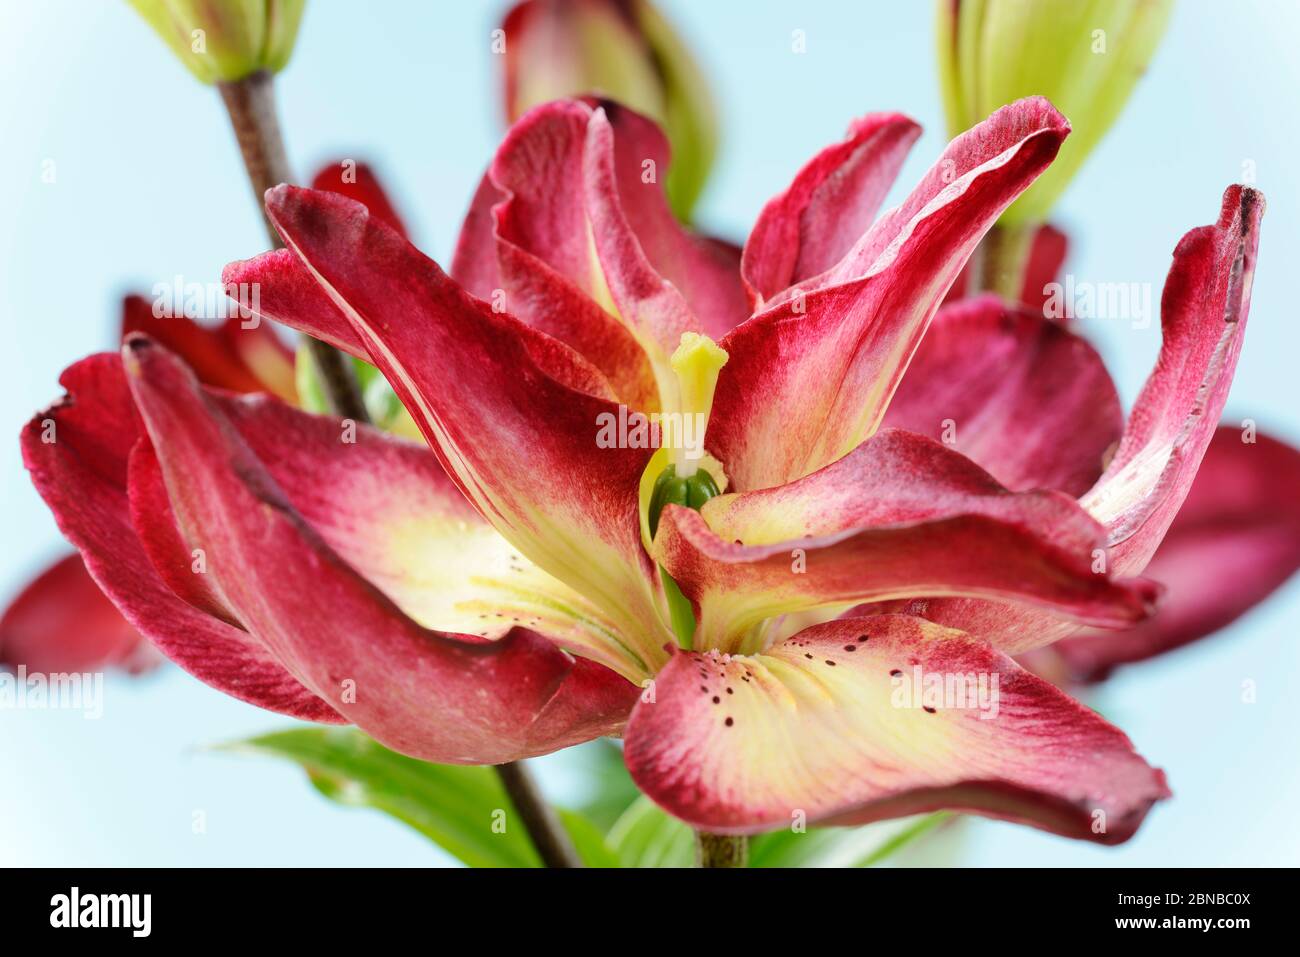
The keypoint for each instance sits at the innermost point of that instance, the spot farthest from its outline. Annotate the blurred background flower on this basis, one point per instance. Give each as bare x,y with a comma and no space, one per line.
622,49
1083,55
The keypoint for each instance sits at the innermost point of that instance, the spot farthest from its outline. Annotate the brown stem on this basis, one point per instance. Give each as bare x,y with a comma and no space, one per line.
250,102
721,850
1002,258
540,820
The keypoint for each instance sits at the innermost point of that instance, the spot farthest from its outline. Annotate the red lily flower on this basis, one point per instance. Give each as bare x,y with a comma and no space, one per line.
494,595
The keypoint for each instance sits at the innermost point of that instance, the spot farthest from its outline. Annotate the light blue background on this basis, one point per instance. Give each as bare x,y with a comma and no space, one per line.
149,185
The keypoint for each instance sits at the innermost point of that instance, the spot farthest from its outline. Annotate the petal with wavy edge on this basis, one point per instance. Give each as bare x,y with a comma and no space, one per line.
900,515
843,723
433,695
572,206
655,310
705,271
524,246
513,414
1023,397
811,375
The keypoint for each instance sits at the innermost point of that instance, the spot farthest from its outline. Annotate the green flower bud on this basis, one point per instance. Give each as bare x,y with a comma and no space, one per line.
1083,55
221,41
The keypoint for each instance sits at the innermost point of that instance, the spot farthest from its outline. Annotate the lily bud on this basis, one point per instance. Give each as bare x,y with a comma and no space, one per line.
1084,57
624,50
221,41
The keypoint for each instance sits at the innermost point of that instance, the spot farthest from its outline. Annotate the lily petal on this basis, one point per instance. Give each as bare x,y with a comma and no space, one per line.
525,246
572,207
1203,319
436,696
291,296
77,452
61,622
293,293
389,510
810,377
832,201
512,413
1047,252
900,515
1235,541
1023,397
705,271
825,726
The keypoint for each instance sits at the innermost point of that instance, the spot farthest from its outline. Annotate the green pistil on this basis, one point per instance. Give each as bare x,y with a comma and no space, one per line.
692,492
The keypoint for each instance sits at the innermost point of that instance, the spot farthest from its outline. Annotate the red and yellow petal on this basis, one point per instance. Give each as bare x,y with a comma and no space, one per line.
901,515
513,414
843,724
441,697
705,271
1022,396
524,246
810,377
389,510
571,229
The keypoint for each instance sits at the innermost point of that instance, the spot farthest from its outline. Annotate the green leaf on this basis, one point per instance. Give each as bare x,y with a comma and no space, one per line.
646,836
863,846
588,840
612,791
451,805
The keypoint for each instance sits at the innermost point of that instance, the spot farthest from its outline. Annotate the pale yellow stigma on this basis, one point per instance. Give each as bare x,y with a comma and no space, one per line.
696,364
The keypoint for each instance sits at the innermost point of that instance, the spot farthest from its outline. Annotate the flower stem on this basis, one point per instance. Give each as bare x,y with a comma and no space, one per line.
250,102
1003,257
721,850
540,820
